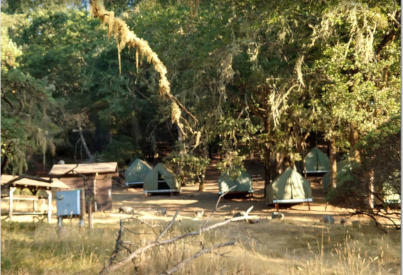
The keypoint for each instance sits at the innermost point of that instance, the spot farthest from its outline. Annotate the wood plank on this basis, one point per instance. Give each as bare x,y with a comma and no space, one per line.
25,182
84,168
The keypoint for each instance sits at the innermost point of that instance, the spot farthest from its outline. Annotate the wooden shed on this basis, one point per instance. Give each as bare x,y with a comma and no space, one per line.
95,178
9,184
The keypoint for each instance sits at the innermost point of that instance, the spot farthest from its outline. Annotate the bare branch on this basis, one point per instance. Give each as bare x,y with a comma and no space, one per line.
168,226
133,232
216,205
151,226
196,255
140,250
222,196
118,243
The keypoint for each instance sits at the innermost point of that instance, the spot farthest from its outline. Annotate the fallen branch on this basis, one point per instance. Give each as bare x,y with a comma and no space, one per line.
216,205
196,255
141,250
118,243
167,227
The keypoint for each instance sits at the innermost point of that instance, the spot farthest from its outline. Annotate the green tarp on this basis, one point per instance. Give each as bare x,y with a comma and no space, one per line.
137,172
289,187
243,183
316,162
159,180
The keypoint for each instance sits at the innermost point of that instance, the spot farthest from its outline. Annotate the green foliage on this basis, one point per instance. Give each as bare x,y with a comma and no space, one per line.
259,77
232,164
348,193
188,167
120,149
27,126
356,69
380,153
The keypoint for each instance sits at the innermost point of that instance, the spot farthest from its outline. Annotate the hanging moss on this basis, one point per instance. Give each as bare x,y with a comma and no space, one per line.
124,36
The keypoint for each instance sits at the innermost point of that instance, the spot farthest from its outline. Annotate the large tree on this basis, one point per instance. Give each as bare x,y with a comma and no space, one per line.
27,125
357,74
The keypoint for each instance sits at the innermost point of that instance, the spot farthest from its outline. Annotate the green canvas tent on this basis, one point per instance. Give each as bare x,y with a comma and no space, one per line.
243,183
160,180
391,195
316,162
136,173
289,187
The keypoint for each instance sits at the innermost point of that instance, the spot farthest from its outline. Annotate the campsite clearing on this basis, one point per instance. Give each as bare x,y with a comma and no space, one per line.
299,244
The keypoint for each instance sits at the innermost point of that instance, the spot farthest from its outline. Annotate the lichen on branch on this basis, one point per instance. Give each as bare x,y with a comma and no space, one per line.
124,36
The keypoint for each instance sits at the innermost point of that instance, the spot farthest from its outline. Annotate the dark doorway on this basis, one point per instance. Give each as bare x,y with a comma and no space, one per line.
162,184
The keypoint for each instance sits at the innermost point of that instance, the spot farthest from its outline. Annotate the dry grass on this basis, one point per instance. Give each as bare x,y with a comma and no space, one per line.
269,247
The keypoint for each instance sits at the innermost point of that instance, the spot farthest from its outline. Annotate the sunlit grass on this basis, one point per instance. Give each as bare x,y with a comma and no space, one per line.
265,248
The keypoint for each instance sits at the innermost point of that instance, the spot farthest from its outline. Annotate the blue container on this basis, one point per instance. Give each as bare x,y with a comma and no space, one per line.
68,203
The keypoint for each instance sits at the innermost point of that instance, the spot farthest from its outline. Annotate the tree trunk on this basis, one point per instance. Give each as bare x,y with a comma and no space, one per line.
333,163
4,160
182,148
201,185
80,132
279,164
267,159
353,141
371,189
267,169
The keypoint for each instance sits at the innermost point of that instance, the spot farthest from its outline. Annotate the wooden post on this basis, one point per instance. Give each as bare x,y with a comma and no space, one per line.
94,186
277,207
90,214
49,192
11,195
82,206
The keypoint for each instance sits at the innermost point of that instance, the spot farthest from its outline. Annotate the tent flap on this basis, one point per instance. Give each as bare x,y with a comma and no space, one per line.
289,187
160,176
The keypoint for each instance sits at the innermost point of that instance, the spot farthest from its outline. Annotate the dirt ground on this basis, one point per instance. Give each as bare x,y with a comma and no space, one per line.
190,201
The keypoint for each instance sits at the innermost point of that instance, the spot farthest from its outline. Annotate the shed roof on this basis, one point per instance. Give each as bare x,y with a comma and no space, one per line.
32,182
84,168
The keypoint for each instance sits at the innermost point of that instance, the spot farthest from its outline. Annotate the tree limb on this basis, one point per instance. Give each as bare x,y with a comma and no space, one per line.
141,250
196,255
168,226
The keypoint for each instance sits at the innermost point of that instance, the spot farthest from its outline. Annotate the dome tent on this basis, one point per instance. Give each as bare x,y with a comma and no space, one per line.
316,162
289,187
137,172
160,180
240,184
